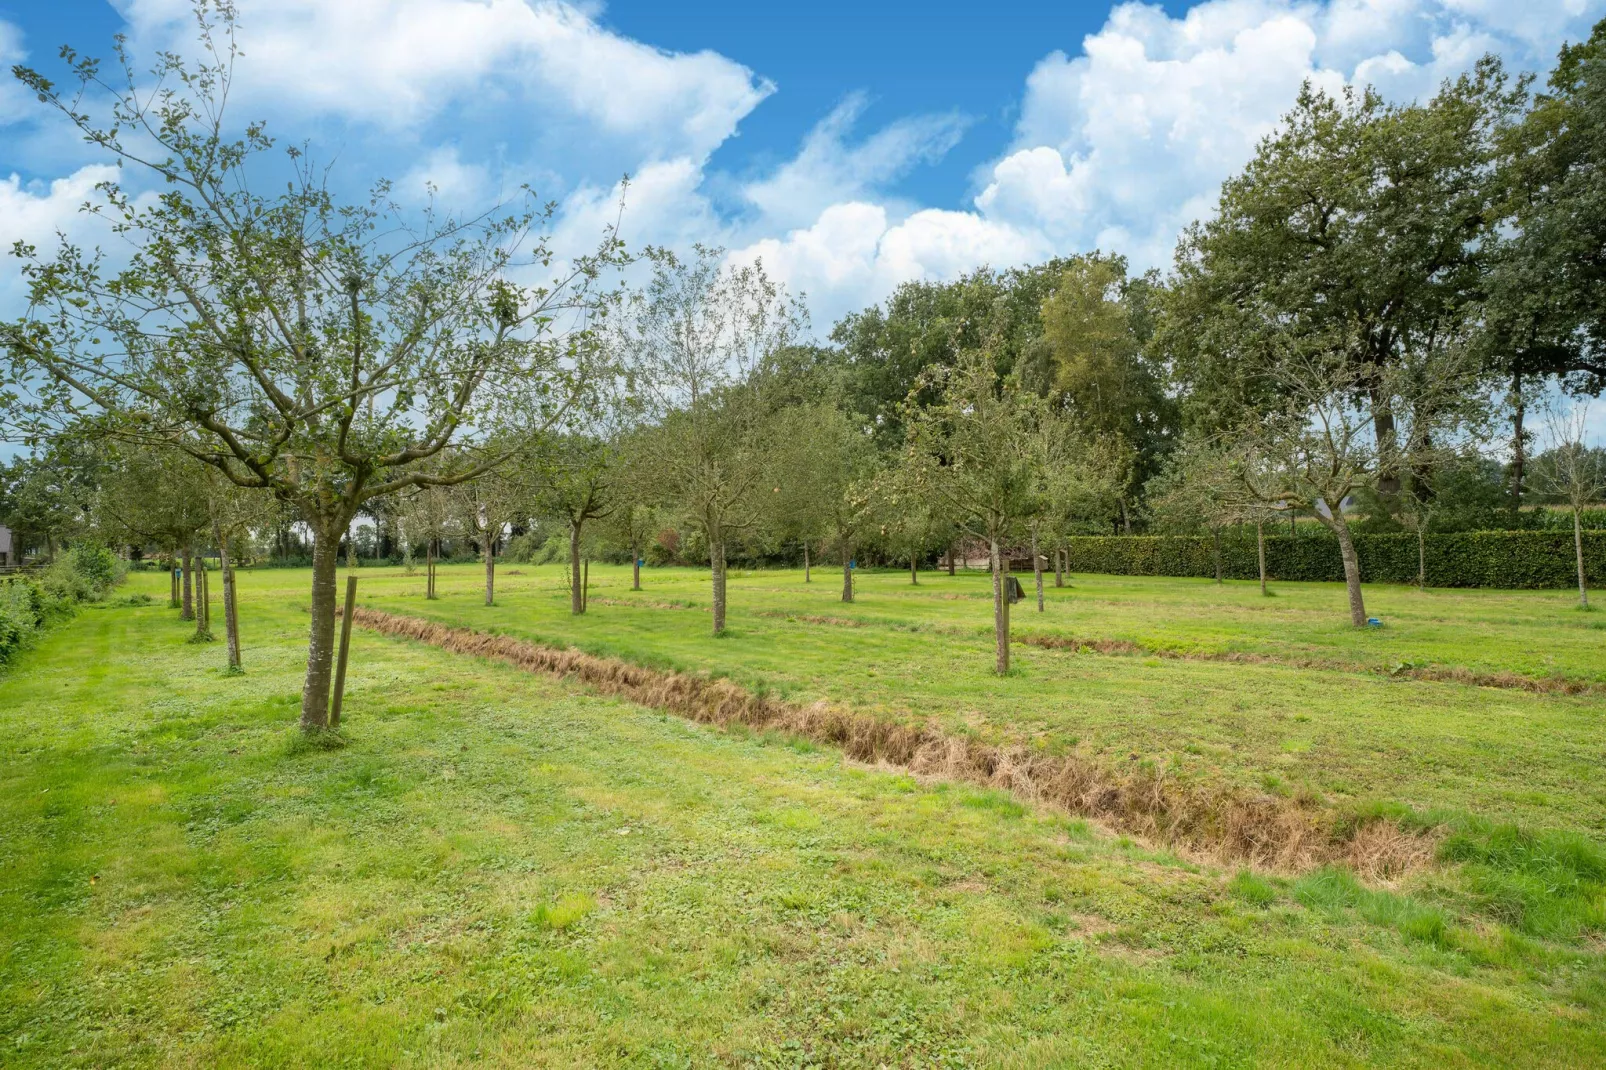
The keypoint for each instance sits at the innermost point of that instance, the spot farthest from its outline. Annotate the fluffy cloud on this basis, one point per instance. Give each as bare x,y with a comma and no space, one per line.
399,62
443,176
1121,138
36,213
855,254
1121,145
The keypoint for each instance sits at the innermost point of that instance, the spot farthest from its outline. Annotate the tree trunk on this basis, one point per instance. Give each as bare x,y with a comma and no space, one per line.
950,559
577,591
203,601
430,550
1578,549
716,561
490,567
1059,567
189,585
1518,457
1421,556
635,567
1383,430
1260,550
1352,569
1037,569
1000,569
914,569
351,549
847,572
231,618
807,574
321,643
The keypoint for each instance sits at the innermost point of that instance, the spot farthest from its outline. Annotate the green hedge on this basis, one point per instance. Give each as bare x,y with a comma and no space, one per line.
1464,559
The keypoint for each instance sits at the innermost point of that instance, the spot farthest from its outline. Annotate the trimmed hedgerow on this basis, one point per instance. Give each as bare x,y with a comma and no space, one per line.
1463,559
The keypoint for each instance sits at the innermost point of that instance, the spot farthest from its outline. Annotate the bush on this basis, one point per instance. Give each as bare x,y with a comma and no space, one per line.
27,603
1532,559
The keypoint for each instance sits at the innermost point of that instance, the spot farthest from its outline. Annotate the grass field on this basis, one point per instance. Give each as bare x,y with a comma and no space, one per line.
503,869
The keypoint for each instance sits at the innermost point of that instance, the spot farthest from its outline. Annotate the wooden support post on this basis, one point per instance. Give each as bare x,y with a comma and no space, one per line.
345,646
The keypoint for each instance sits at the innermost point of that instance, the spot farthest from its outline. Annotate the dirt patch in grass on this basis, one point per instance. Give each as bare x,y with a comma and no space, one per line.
1217,821
641,603
1453,674
809,618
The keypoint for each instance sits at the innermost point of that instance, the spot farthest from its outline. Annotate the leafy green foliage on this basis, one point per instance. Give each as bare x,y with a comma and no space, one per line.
1508,559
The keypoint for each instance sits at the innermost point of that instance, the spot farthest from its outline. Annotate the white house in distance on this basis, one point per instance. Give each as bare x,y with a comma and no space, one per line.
5,546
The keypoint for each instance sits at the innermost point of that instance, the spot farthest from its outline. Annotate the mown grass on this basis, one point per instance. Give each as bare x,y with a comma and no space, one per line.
500,869
1349,738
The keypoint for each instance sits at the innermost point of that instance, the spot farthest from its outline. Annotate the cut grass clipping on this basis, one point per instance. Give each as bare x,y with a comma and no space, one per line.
1262,830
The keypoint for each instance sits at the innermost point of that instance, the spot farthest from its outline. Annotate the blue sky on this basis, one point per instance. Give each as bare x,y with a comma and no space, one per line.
850,145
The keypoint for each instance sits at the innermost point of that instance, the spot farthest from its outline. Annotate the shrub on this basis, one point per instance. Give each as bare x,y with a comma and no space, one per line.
27,604
1533,559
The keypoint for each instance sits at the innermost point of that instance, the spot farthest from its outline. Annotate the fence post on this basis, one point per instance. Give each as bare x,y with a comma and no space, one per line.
345,646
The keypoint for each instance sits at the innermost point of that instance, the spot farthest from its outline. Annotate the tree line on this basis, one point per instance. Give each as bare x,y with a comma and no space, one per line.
1368,320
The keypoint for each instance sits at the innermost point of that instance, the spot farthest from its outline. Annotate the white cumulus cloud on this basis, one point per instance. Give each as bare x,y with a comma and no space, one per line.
1121,144
400,62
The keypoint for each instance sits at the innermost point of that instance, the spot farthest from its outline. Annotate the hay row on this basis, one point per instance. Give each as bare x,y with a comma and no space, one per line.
1444,674
1220,823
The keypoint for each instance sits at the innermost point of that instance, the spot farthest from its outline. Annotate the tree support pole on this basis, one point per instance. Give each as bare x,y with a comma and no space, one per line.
345,647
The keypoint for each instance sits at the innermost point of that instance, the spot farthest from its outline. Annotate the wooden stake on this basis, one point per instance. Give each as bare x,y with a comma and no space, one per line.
345,646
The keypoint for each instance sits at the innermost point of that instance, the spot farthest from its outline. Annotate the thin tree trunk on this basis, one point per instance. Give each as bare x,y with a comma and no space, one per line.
321,642
635,566
351,549
430,550
348,610
577,594
1059,567
716,561
1037,569
914,569
1518,457
1578,549
203,601
490,567
1352,571
173,599
1260,550
1000,569
189,585
1421,557
950,559
847,572
808,576
231,618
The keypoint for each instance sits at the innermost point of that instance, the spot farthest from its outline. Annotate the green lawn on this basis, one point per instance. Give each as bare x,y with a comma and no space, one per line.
924,652
503,869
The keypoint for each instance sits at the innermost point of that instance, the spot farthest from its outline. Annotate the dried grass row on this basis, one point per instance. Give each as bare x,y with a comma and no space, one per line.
1452,674
1218,822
